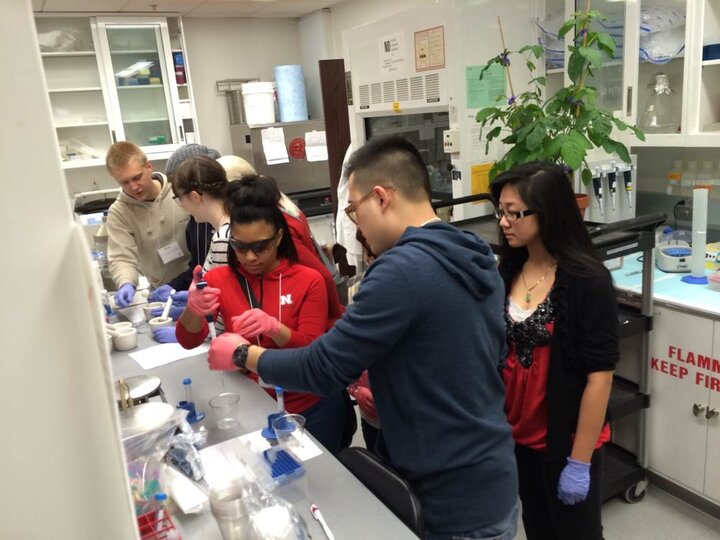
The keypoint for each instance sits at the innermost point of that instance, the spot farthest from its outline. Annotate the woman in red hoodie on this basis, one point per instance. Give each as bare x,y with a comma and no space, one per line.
269,298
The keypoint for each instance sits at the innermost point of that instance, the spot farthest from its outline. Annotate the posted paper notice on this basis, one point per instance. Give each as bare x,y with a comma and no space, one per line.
273,142
316,146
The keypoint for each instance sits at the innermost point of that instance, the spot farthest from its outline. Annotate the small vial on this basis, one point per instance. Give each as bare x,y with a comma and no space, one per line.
187,383
160,499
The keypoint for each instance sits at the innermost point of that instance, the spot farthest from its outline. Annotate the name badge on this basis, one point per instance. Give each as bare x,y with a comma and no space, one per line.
170,252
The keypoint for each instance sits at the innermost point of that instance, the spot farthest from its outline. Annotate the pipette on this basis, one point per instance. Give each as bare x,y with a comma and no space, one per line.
597,188
201,284
168,305
612,177
627,176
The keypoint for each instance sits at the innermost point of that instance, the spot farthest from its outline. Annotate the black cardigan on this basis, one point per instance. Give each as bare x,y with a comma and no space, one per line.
585,339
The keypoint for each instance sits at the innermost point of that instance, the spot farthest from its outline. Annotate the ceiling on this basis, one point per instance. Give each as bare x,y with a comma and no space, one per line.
190,8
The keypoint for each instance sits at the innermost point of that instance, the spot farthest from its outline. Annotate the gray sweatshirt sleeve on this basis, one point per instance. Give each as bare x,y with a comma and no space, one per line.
122,249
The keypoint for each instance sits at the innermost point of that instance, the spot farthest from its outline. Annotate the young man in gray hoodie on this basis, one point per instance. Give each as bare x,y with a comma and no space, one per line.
146,228
427,324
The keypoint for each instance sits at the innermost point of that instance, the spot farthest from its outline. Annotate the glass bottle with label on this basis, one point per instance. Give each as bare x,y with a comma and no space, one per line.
688,179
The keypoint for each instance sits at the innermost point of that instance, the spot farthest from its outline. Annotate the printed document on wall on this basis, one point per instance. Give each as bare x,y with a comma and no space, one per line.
316,146
273,142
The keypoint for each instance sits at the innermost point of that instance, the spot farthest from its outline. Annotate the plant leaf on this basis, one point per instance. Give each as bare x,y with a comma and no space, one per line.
494,132
586,176
575,66
485,113
574,148
593,56
535,138
566,27
606,43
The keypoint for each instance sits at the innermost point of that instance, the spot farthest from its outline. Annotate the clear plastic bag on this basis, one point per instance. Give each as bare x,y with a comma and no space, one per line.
661,47
660,19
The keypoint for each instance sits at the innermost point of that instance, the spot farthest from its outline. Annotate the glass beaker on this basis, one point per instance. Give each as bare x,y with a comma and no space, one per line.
659,115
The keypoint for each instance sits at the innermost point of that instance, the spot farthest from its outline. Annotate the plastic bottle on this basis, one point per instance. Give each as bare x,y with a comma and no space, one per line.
688,179
160,500
674,177
705,177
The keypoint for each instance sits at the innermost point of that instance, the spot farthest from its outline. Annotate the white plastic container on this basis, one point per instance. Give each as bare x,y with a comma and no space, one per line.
259,103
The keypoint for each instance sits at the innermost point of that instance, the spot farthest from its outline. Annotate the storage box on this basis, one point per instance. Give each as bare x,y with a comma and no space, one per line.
712,256
711,51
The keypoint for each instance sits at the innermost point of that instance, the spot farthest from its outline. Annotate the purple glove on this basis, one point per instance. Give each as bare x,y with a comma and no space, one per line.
160,294
180,298
165,334
125,295
175,312
574,482
254,322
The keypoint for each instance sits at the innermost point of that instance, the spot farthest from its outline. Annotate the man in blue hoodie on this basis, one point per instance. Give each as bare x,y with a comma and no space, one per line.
427,324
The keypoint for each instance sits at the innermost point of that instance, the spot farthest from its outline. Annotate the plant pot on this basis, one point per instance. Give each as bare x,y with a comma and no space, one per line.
583,201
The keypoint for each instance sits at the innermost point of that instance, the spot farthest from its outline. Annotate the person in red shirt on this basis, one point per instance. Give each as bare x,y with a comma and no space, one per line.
562,333
264,295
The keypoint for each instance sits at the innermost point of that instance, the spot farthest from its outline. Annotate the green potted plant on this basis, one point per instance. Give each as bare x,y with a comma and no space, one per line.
563,127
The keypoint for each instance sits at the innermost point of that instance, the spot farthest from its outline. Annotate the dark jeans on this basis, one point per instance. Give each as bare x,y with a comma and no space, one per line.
326,421
545,517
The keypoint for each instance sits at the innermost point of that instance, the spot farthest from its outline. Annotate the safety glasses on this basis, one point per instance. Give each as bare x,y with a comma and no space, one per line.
257,247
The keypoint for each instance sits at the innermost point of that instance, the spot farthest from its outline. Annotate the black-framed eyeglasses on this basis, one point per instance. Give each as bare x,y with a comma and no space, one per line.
177,198
258,247
512,216
351,209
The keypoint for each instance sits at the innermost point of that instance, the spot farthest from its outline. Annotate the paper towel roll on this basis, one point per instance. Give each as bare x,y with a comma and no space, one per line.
290,85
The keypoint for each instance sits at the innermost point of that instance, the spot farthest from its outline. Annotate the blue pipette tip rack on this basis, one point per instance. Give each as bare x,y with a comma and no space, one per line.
695,280
193,416
284,468
268,432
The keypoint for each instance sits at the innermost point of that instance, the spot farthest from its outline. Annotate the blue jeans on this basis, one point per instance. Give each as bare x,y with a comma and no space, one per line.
505,529
326,421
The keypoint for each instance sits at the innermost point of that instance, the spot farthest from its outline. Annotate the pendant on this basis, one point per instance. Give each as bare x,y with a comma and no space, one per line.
527,297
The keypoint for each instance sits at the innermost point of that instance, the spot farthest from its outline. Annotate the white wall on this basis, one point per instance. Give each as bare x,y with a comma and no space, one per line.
358,12
63,470
315,44
233,49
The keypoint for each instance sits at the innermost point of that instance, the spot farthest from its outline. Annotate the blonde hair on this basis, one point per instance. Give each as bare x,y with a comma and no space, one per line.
122,153
236,167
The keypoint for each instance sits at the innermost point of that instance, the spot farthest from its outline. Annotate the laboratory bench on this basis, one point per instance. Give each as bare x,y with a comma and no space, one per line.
350,510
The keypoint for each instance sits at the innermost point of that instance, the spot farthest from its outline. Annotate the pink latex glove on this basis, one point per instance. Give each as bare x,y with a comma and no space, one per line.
222,348
254,322
202,302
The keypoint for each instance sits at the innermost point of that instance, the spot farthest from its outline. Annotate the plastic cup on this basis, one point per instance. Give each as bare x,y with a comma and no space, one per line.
290,430
225,408
228,508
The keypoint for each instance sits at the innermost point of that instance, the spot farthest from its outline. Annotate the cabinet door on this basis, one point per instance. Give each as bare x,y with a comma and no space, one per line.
140,75
77,97
712,463
676,436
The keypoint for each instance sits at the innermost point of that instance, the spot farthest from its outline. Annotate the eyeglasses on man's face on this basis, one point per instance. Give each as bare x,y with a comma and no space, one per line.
258,247
512,216
351,209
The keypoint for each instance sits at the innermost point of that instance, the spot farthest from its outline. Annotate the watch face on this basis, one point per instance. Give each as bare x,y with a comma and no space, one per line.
240,356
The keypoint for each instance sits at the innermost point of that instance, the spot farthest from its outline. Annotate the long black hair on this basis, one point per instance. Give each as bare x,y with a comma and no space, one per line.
545,188
256,198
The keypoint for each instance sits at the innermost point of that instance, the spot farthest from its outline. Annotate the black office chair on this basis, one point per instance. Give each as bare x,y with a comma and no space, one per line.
387,485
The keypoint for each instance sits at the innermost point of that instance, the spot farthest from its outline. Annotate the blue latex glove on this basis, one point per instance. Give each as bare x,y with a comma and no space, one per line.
180,298
160,294
165,334
125,295
574,482
175,312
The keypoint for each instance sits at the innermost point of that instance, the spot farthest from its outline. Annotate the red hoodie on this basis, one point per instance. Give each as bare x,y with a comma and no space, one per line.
304,310
307,256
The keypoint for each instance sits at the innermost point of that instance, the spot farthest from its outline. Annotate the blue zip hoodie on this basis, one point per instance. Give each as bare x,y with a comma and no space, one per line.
428,325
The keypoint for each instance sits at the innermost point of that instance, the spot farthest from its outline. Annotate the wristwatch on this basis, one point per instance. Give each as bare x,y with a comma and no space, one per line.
240,356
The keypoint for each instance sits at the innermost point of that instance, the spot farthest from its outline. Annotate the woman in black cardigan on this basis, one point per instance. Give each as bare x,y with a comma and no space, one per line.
562,331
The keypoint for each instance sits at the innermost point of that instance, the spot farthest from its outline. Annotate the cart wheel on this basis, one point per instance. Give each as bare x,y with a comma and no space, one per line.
632,496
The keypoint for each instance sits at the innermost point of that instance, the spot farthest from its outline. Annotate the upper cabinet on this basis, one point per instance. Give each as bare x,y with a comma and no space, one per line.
666,74
113,79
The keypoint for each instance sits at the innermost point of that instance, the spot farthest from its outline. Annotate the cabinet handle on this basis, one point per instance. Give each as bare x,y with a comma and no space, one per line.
712,413
182,135
698,409
112,134
628,109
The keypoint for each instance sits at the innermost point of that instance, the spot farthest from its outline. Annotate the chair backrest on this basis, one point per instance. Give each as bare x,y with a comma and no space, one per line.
387,485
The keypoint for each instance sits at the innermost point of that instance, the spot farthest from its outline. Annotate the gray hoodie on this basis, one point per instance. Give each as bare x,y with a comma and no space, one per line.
137,229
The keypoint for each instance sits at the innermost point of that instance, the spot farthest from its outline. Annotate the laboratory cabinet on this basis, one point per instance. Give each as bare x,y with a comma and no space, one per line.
666,74
116,78
684,423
